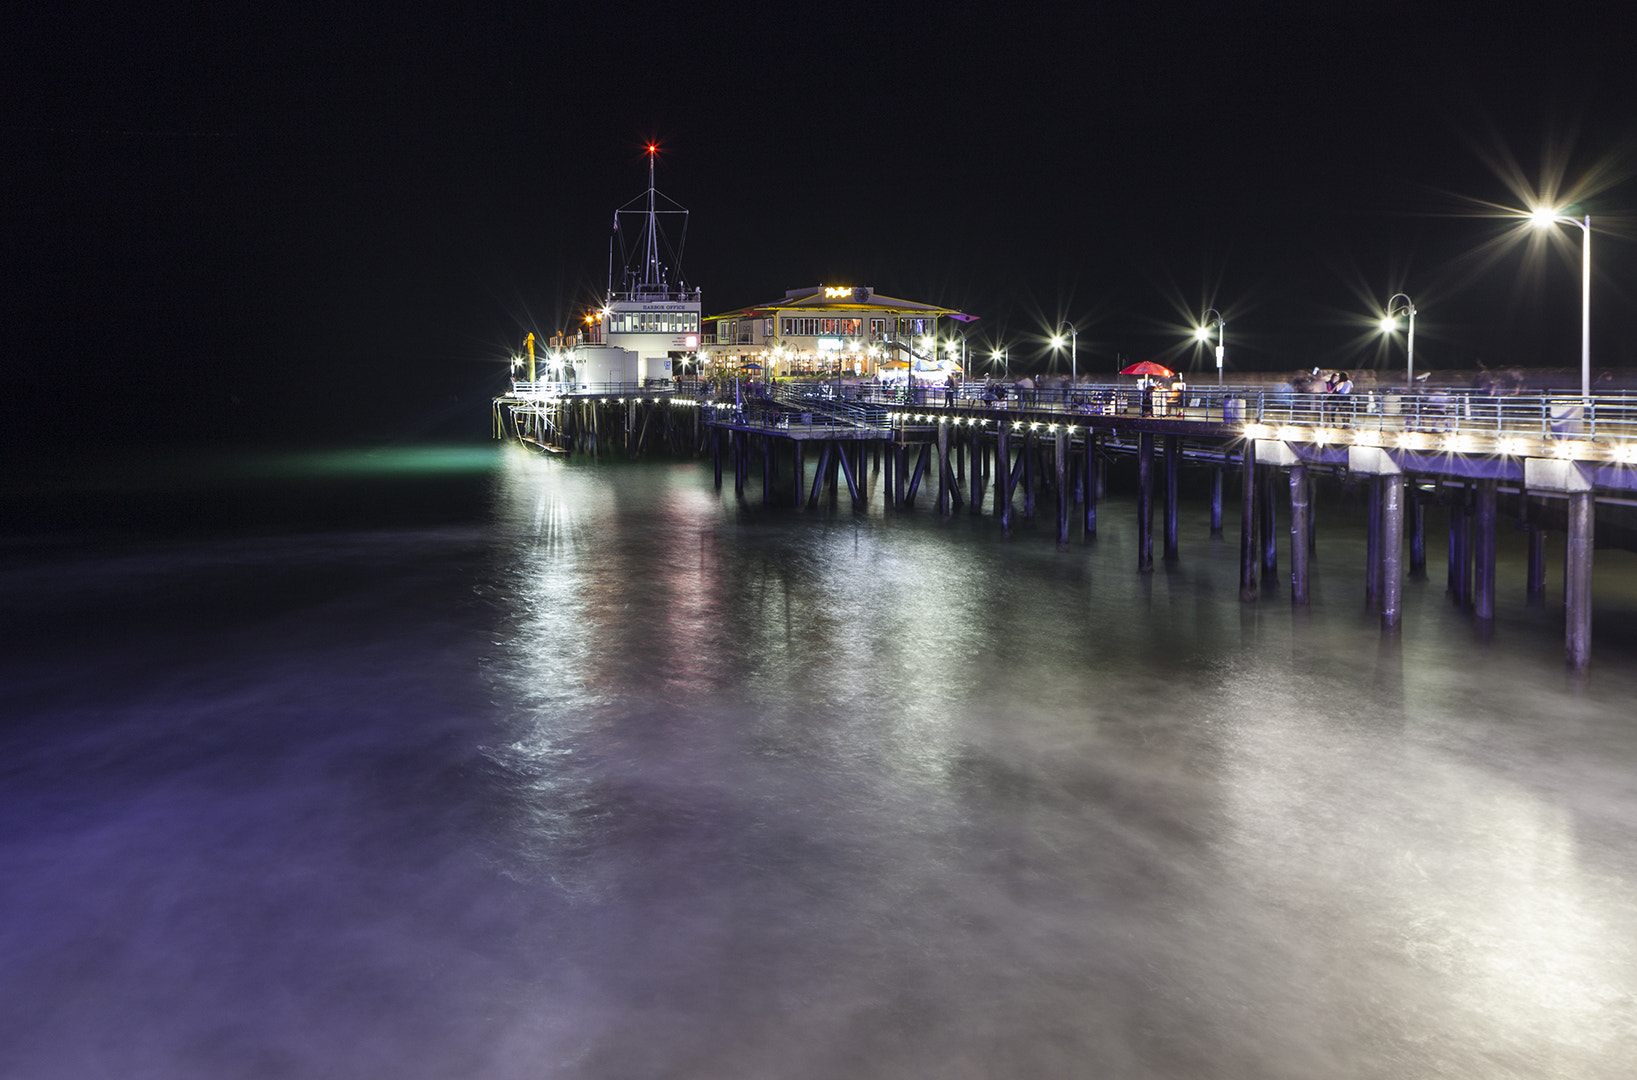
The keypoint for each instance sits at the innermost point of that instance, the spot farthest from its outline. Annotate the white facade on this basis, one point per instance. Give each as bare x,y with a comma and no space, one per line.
652,331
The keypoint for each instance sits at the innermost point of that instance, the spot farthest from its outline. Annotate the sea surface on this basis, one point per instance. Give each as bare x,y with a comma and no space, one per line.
437,762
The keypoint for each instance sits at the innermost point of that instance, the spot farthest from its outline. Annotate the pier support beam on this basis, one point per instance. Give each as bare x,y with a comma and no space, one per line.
915,477
1145,502
1483,552
1460,550
976,454
1577,580
854,482
945,472
1392,551
1572,479
1030,469
1003,476
1270,521
820,470
1247,521
1061,461
1173,470
1090,466
1298,534
1385,542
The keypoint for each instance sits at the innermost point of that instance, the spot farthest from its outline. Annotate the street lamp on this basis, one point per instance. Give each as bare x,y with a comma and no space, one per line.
1213,317
1074,348
1389,323
1002,356
1545,217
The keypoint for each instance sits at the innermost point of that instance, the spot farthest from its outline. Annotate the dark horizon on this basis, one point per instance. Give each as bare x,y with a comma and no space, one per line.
319,228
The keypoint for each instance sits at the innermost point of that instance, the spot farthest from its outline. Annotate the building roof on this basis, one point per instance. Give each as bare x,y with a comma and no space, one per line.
841,298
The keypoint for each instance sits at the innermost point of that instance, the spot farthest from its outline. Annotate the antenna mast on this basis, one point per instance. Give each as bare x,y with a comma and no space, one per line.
651,271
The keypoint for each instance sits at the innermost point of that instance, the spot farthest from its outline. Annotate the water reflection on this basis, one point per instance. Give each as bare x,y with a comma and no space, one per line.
892,796
592,772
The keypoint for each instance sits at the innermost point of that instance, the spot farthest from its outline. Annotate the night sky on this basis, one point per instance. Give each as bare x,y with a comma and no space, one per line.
310,225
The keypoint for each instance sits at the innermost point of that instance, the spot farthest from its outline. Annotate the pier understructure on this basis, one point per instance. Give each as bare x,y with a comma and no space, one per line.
1552,459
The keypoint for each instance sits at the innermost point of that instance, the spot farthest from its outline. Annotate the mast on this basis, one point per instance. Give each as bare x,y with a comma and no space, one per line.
651,274
649,214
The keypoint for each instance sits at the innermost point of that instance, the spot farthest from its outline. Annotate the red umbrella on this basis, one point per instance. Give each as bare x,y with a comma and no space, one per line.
1148,367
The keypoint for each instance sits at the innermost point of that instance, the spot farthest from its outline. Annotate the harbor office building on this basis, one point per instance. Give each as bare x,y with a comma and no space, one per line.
826,331
633,339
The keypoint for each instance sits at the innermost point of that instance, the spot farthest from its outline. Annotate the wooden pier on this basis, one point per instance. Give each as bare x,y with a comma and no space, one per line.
1003,457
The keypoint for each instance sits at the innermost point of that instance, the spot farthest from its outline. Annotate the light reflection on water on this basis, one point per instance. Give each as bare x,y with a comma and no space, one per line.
625,780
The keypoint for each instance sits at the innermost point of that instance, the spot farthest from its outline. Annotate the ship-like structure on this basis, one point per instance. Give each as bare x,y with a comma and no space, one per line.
631,345
649,316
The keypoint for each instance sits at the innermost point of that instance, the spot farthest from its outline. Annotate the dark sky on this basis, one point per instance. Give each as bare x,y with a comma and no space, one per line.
309,223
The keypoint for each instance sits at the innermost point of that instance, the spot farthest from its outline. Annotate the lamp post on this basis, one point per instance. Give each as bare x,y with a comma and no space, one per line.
1002,356
1203,333
1074,348
1389,323
1545,217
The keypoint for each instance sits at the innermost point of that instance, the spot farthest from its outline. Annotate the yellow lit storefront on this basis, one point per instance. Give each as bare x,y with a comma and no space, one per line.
827,331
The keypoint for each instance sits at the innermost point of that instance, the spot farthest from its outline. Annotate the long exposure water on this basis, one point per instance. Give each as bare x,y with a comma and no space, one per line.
469,763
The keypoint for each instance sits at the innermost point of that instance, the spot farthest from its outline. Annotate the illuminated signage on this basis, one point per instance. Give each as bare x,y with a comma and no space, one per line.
839,290
829,344
692,341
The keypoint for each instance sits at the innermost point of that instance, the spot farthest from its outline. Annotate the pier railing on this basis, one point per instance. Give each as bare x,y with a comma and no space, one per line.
1605,418
1610,417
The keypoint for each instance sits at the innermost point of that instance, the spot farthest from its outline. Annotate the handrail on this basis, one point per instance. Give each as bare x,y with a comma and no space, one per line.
1608,417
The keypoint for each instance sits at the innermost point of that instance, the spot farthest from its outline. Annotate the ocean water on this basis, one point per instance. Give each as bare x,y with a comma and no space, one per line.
443,762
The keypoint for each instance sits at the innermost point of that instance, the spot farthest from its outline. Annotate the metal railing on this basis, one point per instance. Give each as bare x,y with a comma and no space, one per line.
1610,417
543,387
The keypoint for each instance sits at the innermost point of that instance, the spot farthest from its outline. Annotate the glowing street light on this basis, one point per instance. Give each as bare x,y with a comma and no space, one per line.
1202,332
1074,348
1002,356
1545,217
1389,323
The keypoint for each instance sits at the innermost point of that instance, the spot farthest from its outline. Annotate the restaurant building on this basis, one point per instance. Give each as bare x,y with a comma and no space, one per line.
830,330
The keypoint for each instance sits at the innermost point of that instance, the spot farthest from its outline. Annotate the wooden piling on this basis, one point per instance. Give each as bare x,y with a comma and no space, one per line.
1062,471
1298,534
819,471
1270,521
1089,465
976,454
1003,476
1577,598
1173,470
1145,502
1247,521
1029,470
1483,551
943,466
1392,550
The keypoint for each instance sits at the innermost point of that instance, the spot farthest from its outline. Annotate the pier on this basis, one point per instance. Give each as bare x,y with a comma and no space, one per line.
1552,457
